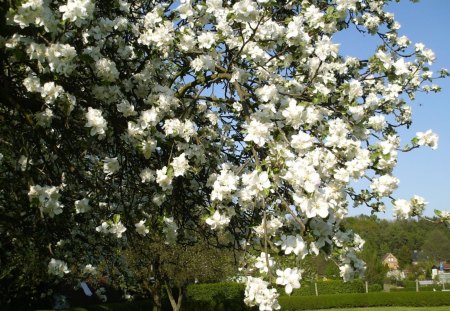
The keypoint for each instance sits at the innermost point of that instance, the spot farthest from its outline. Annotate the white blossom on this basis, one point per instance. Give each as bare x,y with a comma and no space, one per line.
224,184
90,269
77,11
402,208
110,166
141,228
163,179
271,227
97,123
147,175
384,185
57,267
82,206
293,244
107,70
427,139
117,229
180,164
258,132
47,199
258,293
217,221
289,278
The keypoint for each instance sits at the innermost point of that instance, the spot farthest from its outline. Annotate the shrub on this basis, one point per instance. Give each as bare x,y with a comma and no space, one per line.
215,296
375,288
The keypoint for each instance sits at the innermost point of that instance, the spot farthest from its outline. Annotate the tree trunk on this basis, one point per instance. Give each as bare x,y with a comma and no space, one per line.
176,305
156,296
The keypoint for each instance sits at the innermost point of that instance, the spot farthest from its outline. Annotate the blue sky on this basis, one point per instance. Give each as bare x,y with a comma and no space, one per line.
423,171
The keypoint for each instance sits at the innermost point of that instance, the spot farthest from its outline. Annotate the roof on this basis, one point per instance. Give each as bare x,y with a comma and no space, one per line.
387,255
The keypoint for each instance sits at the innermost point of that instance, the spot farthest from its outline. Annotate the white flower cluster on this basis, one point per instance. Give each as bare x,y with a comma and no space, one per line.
163,178
82,206
49,91
428,138
90,269
258,132
224,184
264,262
96,122
271,227
175,127
141,228
59,57
293,244
289,278
115,228
47,199
111,166
180,164
57,267
217,221
35,12
254,185
258,293
384,185
77,11
413,207
106,70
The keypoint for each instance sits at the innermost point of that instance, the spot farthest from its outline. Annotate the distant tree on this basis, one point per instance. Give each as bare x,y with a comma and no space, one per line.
404,256
375,269
154,267
436,245
421,271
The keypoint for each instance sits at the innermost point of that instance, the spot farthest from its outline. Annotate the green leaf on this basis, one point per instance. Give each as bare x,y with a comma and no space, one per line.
116,218
87,59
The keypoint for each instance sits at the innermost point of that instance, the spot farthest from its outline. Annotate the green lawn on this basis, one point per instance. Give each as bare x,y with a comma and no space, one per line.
444,308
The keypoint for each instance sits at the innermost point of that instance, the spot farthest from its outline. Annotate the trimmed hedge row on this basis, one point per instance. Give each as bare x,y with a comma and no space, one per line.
228,296
409,299
329,287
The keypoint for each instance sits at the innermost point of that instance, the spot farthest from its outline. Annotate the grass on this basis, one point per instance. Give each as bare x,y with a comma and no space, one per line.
443,308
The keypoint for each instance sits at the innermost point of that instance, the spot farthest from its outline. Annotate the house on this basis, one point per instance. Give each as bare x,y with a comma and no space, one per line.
391,261
441,272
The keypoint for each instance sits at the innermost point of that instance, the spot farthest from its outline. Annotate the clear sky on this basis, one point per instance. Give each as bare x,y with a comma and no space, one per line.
423,171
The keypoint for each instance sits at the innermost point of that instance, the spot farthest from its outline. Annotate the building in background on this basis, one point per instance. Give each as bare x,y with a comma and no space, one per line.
390,261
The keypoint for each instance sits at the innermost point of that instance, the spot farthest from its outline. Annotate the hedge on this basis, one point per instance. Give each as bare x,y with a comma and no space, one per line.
231,294
330,287
409,299
215,296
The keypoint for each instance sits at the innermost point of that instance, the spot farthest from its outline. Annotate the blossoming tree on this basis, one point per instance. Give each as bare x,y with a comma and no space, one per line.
238,121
